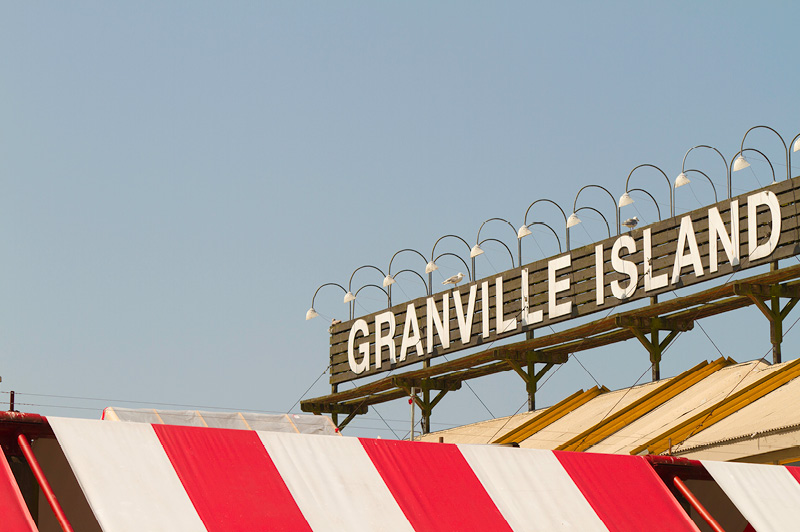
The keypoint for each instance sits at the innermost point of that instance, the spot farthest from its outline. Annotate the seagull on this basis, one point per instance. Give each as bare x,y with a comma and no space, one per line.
630,223
334,321
454,280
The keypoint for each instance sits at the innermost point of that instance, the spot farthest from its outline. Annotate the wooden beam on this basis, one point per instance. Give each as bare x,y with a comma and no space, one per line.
659,323
765,291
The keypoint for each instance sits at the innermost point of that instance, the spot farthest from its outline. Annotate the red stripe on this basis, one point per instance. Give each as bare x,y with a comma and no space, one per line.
794,471
625,492
434,486
230,479
14,515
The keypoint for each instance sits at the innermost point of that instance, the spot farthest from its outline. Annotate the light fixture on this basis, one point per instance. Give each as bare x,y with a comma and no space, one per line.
682,180
796,145
625,199
740,163
431,267
475,251
348,297
388,280
573,220
523,231
311,314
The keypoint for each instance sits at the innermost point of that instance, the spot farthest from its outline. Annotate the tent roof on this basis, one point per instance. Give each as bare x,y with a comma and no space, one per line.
628,421
161,477
139,476
297,423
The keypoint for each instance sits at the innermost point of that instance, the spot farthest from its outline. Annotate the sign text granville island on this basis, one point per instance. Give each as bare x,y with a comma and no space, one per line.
695,247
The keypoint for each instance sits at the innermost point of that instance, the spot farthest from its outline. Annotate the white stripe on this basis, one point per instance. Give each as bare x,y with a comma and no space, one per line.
334,483
531,489
766,495
126,476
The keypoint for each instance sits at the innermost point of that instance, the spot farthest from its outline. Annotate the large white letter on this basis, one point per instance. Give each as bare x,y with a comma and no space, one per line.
360,326
553,287
485,312
686,235
769,199
628,267
465,320
716,230
528,317
650,282
381,341
442,323
599,280
502,325
413,339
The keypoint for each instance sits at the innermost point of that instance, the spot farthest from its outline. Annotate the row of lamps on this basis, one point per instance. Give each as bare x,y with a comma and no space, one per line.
739,162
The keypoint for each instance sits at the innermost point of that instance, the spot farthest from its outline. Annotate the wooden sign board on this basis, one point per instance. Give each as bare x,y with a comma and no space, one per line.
690,248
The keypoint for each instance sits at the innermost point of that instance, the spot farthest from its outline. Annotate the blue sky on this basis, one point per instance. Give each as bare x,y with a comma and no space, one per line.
178,178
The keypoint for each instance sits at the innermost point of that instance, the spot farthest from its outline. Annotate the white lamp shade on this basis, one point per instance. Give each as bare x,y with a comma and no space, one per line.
431,267
796,145
348,297
573,220
740,163
311,314
523,231
475,251
681,180
388,280
625,199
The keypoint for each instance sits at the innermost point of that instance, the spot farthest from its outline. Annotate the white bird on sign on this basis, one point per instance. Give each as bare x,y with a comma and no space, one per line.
630,223
454,280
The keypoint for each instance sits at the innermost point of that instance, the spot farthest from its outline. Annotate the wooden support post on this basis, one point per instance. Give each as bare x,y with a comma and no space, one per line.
426,397
531,388
774,313
335,415
530,377
424,403
347,420
654,345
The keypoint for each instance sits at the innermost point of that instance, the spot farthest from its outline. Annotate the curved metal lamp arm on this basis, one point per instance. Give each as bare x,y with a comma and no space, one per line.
658,209
503,244
323,286
794,140
788,161
489,220
610,195
402,250
459,258
449,236
551,230
601,216
741,152
724,160
669,184
716,199
424,282
525,220
683,165
373,285
350,283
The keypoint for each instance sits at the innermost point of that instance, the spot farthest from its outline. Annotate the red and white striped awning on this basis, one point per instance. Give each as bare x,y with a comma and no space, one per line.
159,477
13,513
768,496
